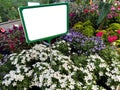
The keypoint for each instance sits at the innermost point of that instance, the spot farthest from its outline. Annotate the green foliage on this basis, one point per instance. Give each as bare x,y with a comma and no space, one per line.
118,44
88,23
82,2
109,54
4,69
117,19
104,9
85,28
62,46
9,9
113,26
78,26
0,19
1,56
88,31
79,60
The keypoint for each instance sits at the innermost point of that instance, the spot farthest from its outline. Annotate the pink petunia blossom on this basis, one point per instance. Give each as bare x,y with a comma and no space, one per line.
112,38
99,34
115,14
113,8
118,8
109,16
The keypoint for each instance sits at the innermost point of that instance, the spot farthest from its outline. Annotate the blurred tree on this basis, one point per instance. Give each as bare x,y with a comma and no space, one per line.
9,9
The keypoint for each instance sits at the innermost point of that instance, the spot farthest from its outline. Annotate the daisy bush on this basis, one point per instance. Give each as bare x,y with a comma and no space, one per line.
100,69
36,67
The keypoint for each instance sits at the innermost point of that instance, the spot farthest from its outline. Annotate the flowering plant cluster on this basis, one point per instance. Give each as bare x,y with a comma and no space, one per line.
35,67
81,44
115,10
12,40
92,11
110,36
62,46
81,60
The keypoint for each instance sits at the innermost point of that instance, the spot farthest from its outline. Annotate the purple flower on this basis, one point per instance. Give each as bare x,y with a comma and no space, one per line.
84,45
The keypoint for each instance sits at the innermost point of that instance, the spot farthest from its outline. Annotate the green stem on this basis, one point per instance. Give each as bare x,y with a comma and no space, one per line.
102,24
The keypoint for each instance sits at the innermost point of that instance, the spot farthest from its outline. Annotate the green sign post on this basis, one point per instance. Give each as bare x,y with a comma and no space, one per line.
44,22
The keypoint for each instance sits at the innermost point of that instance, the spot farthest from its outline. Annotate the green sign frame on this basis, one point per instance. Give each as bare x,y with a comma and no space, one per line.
28,36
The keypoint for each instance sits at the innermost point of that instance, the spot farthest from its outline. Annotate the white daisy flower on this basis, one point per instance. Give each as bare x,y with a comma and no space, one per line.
43,56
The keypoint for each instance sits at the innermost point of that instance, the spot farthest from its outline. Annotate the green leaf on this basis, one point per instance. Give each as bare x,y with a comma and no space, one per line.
104,9
78,2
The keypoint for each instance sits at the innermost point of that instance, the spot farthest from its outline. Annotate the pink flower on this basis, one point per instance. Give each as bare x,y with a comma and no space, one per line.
112,8
118,8
2,30
112,38
109,16
118,31
115,14
99,34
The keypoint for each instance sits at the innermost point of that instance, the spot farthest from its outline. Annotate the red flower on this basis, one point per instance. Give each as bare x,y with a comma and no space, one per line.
118,31
12,46
99,34
112,38
92,10
86,11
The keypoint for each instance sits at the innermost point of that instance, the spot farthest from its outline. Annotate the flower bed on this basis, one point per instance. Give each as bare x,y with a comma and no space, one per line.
87,58
33,68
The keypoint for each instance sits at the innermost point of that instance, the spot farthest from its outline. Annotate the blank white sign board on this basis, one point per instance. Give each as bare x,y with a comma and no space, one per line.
44,21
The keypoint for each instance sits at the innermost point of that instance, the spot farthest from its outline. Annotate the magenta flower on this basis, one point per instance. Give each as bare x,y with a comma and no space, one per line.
99,34
115,14
112,38
20,27
109,16
10,31
71,14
